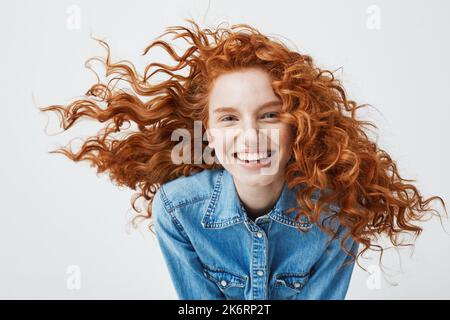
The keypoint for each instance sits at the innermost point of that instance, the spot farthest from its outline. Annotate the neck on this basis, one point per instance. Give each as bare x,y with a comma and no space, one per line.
259,200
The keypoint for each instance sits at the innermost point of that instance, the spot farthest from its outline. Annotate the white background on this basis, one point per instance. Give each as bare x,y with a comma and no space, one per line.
56,213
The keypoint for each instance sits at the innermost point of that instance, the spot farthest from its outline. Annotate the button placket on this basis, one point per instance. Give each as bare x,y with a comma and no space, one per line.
259,261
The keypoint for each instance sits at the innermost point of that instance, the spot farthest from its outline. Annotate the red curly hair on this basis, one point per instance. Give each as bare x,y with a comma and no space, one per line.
331,149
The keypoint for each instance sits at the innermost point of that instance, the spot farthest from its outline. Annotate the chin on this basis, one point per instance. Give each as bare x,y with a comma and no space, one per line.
254,178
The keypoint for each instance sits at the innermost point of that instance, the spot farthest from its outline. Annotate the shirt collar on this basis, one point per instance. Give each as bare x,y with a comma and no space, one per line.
225,208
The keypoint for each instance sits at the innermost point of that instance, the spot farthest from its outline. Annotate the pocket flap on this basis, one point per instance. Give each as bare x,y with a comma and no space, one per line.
223,278
295,281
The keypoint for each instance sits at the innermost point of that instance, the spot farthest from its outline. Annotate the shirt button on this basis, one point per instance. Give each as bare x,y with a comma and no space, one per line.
259,273
223,283
259,234
296,284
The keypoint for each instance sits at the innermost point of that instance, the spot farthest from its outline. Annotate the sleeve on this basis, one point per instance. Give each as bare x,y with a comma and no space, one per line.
329,279
182,261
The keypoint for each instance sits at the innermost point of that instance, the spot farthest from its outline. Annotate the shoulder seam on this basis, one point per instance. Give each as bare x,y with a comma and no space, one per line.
185,202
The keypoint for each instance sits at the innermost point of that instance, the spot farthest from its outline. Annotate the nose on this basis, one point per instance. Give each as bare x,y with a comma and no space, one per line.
251,138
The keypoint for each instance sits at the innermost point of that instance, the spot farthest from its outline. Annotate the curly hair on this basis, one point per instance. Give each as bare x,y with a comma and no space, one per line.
331,150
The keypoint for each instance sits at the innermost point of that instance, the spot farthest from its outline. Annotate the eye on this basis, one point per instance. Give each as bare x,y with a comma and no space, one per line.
273,113
226,117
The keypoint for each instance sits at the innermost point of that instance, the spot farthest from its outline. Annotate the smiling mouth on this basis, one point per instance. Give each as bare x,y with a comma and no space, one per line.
269,155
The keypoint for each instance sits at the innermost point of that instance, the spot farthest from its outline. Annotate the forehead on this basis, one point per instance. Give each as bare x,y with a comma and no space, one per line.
241,88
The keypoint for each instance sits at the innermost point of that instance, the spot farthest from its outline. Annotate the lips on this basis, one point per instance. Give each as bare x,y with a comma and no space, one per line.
269,154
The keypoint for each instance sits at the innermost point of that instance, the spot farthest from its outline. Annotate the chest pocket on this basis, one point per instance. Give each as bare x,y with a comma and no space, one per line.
231,284
287,285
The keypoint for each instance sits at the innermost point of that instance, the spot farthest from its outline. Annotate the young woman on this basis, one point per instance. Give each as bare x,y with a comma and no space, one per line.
274,184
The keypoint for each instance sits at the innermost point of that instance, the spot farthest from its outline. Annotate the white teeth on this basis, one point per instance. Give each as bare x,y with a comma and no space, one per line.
252,156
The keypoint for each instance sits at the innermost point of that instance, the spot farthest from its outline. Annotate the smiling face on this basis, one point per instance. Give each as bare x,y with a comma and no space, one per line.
243,118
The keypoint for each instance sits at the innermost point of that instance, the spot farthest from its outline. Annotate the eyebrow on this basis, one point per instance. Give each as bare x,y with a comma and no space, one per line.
264,105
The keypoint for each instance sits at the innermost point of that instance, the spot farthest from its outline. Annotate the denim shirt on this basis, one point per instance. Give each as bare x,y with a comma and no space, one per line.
213,250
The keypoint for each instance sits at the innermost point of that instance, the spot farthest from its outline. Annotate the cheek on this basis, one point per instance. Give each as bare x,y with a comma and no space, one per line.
225,138
220,144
